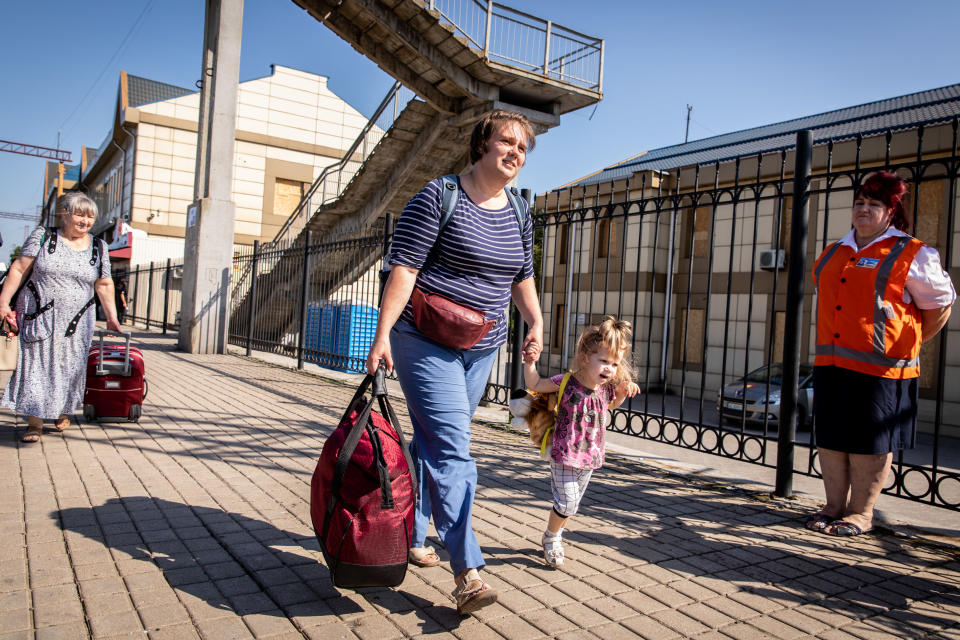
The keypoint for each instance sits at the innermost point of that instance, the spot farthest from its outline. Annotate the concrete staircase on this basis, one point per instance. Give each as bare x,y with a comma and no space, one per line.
461,59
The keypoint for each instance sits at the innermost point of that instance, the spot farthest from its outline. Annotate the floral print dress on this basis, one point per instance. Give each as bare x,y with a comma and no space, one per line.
578,440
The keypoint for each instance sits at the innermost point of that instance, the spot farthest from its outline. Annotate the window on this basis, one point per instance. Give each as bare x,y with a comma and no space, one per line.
558,313
563,242
701,232
287,195
606,238
693,332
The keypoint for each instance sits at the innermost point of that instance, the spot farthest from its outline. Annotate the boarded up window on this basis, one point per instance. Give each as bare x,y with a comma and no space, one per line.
563,240
930,208
701,233
606,238
778,335
786,217
693,332
287,195
558,322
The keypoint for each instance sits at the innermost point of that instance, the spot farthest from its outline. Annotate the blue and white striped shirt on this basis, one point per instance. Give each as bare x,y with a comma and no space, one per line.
478,257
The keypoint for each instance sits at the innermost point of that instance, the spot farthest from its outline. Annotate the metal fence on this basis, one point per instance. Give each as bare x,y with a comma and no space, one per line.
699,259
314,302
696,258
153,294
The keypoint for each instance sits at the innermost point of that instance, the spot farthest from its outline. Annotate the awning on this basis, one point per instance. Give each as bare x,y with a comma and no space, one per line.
122,254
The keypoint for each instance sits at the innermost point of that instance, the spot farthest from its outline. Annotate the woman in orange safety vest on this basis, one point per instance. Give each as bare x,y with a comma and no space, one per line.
880,294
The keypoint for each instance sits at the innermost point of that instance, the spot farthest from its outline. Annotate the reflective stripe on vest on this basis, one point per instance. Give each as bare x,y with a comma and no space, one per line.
879,317
835,350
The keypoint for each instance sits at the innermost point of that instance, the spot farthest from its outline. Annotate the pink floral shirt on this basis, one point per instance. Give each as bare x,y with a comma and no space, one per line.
578,440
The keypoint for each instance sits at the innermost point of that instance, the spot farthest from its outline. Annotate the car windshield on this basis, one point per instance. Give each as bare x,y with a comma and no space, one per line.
776,373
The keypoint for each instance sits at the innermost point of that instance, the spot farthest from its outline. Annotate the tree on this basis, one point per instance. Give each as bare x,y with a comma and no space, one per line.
15,253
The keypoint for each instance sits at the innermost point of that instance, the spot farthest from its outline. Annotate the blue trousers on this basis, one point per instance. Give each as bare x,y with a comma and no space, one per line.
442,387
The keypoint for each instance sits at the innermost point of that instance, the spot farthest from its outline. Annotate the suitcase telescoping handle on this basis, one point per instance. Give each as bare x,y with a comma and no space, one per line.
101,370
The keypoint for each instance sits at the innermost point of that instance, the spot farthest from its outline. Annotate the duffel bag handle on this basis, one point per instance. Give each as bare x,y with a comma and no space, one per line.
379,389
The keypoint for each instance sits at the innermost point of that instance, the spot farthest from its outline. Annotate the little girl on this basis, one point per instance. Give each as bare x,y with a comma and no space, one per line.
600,379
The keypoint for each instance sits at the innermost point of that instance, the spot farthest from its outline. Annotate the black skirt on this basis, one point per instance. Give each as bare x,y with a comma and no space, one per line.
858,413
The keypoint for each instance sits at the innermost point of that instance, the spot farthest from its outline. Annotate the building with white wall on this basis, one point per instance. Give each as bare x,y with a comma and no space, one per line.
289,127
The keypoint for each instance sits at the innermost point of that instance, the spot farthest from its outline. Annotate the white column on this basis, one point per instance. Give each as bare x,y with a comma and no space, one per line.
208,240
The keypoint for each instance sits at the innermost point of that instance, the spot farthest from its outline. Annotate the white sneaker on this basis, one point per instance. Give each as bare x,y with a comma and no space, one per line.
553,549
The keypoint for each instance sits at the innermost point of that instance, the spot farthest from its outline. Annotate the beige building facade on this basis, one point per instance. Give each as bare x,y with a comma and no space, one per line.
290,126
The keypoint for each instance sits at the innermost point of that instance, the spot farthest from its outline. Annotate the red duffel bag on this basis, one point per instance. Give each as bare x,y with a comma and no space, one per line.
363,493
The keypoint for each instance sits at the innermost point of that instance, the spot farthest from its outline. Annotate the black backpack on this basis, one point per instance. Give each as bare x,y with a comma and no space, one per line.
99,248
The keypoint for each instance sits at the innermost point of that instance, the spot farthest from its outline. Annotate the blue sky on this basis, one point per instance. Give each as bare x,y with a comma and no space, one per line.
740,63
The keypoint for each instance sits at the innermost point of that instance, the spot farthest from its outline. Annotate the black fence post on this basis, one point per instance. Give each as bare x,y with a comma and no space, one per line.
387,238
149,295
303,299
166,295
517,387
136,294
796,276
252,298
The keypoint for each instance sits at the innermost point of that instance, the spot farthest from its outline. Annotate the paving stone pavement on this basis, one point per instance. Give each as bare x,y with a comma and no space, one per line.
196,523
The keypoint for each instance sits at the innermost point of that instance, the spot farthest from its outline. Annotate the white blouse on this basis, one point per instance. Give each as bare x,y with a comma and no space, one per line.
928,286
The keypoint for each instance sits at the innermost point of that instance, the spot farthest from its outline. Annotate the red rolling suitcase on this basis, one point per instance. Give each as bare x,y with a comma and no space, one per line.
115,383
363,494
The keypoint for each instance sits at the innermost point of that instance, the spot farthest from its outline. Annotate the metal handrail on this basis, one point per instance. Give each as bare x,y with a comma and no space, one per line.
504,34
551,60
301,211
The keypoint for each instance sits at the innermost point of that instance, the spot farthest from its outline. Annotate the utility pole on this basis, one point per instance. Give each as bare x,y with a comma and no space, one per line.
208,239
686,136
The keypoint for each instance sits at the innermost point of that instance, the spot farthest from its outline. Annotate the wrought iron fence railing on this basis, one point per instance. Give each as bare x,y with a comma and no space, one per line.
153,294
697,258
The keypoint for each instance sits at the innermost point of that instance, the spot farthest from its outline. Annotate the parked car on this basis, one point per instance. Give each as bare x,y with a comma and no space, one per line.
753,395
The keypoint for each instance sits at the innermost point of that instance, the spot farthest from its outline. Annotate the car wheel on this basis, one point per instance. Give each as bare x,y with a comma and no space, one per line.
134,413
89,413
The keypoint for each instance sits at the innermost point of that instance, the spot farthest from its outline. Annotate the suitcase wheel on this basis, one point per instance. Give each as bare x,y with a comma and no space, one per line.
134,413
89,413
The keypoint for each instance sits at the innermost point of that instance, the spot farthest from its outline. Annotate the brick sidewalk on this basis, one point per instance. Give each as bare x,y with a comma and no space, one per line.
196,523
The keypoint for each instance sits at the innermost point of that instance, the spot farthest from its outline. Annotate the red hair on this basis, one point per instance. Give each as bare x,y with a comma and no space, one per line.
888,188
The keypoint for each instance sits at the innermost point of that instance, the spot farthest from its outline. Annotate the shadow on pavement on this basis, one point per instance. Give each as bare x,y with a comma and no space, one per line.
228,560
231,562
703,532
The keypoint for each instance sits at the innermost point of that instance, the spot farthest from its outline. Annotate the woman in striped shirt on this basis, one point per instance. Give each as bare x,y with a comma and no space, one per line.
481,258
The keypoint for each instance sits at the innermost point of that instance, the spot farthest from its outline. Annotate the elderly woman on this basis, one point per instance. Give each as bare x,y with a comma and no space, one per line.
881,294
62,268
468,241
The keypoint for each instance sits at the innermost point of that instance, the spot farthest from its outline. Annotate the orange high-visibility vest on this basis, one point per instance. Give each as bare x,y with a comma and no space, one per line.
863,323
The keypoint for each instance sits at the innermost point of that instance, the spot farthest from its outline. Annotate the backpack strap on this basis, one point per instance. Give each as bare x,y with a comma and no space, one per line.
95,252
449,199
98,250
32,288
556,412
451,195
52,234
563,385
517,202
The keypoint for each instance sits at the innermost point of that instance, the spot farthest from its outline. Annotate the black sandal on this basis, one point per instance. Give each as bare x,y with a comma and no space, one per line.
819,522
844,529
